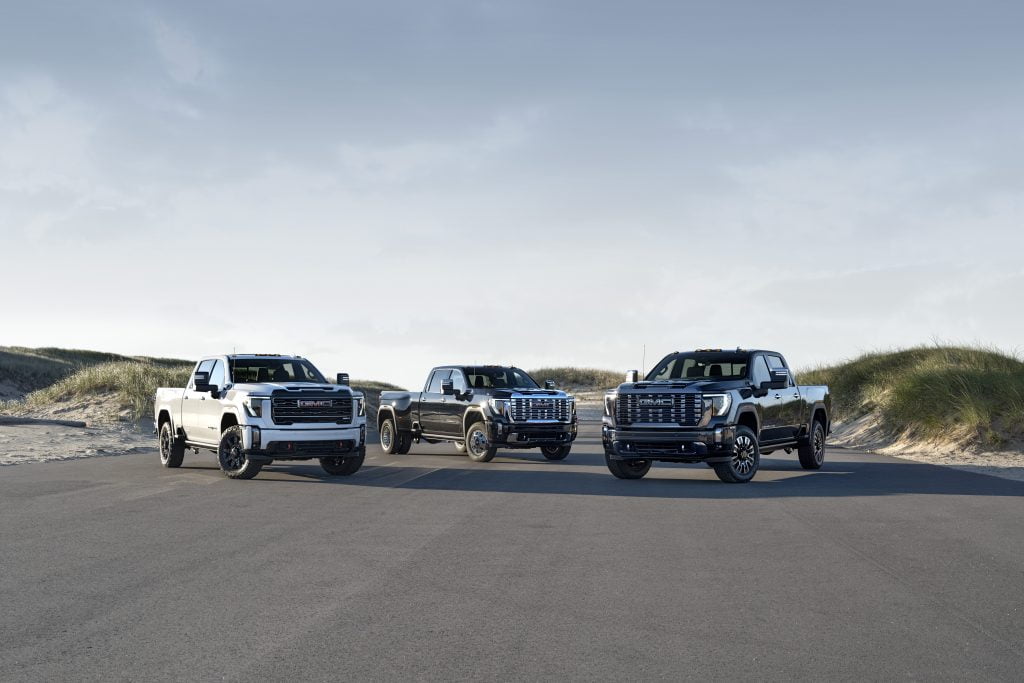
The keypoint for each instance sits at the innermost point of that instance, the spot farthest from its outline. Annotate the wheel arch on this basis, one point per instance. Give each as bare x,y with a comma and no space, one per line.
470,416
228,419
747,417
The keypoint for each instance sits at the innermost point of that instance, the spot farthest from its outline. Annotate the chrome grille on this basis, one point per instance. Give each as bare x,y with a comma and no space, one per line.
540,408
681,409
304,409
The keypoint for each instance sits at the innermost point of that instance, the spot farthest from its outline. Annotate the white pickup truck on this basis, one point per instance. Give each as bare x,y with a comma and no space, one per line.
253,409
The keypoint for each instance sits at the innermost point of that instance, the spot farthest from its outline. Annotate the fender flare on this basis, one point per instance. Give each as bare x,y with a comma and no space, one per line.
752,410
472,410
828,418
383,412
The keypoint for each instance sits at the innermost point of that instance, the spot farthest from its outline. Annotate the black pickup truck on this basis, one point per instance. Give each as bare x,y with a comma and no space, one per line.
479,408
723,408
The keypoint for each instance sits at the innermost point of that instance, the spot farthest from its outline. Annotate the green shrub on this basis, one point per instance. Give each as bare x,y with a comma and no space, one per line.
580,379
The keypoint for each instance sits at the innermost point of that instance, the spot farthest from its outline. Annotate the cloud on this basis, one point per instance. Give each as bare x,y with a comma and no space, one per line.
185,61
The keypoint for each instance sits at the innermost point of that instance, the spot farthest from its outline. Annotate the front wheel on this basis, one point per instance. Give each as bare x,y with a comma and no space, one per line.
343,466
555,452
627,469
478,446
172,449
746,458
231,456
812,453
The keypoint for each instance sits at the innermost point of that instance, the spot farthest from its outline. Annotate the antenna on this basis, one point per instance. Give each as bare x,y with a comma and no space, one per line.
643,362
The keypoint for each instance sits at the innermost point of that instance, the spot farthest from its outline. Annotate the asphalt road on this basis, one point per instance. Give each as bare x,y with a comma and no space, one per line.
429,566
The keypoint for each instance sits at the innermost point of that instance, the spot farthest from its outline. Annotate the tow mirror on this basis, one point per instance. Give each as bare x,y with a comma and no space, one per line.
201,381
633,376
465,395
549,384
342,379
780,378
447,388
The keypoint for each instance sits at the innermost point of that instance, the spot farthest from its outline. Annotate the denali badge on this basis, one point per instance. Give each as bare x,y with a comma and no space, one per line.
655,401
315,404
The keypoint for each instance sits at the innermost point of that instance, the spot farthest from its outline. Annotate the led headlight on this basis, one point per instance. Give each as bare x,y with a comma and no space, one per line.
360,406
254,405
499,405
717,403
609,405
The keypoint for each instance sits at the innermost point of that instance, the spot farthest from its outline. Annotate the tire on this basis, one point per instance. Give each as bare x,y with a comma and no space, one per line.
746,458
393,441
478,446
234,463
812,453
460,446
555,452
172,449
343,466
627,469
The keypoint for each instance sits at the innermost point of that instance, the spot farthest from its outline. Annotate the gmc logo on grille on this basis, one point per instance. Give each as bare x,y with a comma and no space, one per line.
655,401
316,404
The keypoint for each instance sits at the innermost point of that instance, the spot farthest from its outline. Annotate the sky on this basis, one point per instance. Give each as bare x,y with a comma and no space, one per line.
387,186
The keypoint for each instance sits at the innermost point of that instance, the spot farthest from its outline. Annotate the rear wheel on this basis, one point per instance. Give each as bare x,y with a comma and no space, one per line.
555,452
627,469
745,460
478,446
231,456
172,449
343,466
812,453
393,441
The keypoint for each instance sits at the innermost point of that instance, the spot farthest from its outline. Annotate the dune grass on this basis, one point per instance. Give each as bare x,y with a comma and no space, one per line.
952,393
32,369
579,379
135,384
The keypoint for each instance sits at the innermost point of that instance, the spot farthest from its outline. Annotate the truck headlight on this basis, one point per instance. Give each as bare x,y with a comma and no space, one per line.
360,407
717,403
499,406
609,405
254,406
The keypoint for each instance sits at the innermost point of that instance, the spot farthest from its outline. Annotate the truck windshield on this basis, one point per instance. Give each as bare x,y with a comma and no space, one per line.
252,370
697,366
499,378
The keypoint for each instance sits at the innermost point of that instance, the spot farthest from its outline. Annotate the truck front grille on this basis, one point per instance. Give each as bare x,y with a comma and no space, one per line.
540,408
681,409
306,409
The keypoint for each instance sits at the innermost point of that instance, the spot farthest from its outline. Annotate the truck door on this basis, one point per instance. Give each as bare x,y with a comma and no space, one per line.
431,401
788,398
192,403
773,425
453,408
211,409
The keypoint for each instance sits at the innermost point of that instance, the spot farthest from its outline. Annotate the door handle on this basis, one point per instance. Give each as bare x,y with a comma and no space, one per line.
796,395
778,396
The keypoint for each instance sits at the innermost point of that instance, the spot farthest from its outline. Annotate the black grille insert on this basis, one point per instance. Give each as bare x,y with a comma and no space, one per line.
296,409
681,409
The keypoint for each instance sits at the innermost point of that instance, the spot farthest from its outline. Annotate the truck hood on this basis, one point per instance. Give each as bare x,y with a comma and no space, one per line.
682,386
509,393
298,387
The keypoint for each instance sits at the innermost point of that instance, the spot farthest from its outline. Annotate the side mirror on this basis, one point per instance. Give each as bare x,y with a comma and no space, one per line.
447,388
202,382
342,379
633,376
780,378
549,384
465,395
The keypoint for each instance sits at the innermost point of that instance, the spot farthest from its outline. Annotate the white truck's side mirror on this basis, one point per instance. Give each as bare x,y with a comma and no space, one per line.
633,376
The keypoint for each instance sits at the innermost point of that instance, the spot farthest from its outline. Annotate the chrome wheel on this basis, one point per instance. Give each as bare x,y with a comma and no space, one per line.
477,442
819,444
743,459
387,437
165,445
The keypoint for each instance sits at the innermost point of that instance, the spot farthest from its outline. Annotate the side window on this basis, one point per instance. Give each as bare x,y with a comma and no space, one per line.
217,378
436,379
204,366
458,381
760,372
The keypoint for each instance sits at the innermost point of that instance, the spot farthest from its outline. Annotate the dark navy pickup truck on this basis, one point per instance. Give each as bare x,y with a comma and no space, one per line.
479,408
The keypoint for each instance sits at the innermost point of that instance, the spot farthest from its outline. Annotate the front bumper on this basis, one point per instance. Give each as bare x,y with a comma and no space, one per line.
712,444
530,434
302,444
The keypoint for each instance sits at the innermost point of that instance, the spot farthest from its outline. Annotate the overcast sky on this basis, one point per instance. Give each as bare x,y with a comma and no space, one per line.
387,186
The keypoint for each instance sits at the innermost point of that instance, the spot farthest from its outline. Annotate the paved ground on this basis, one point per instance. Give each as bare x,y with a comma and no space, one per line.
429,566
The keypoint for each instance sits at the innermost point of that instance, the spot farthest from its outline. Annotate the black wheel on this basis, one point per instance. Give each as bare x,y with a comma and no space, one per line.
172,449
460,446
627,469
232,458
478,446
555,452
812,453
404,443
746,458
343,466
